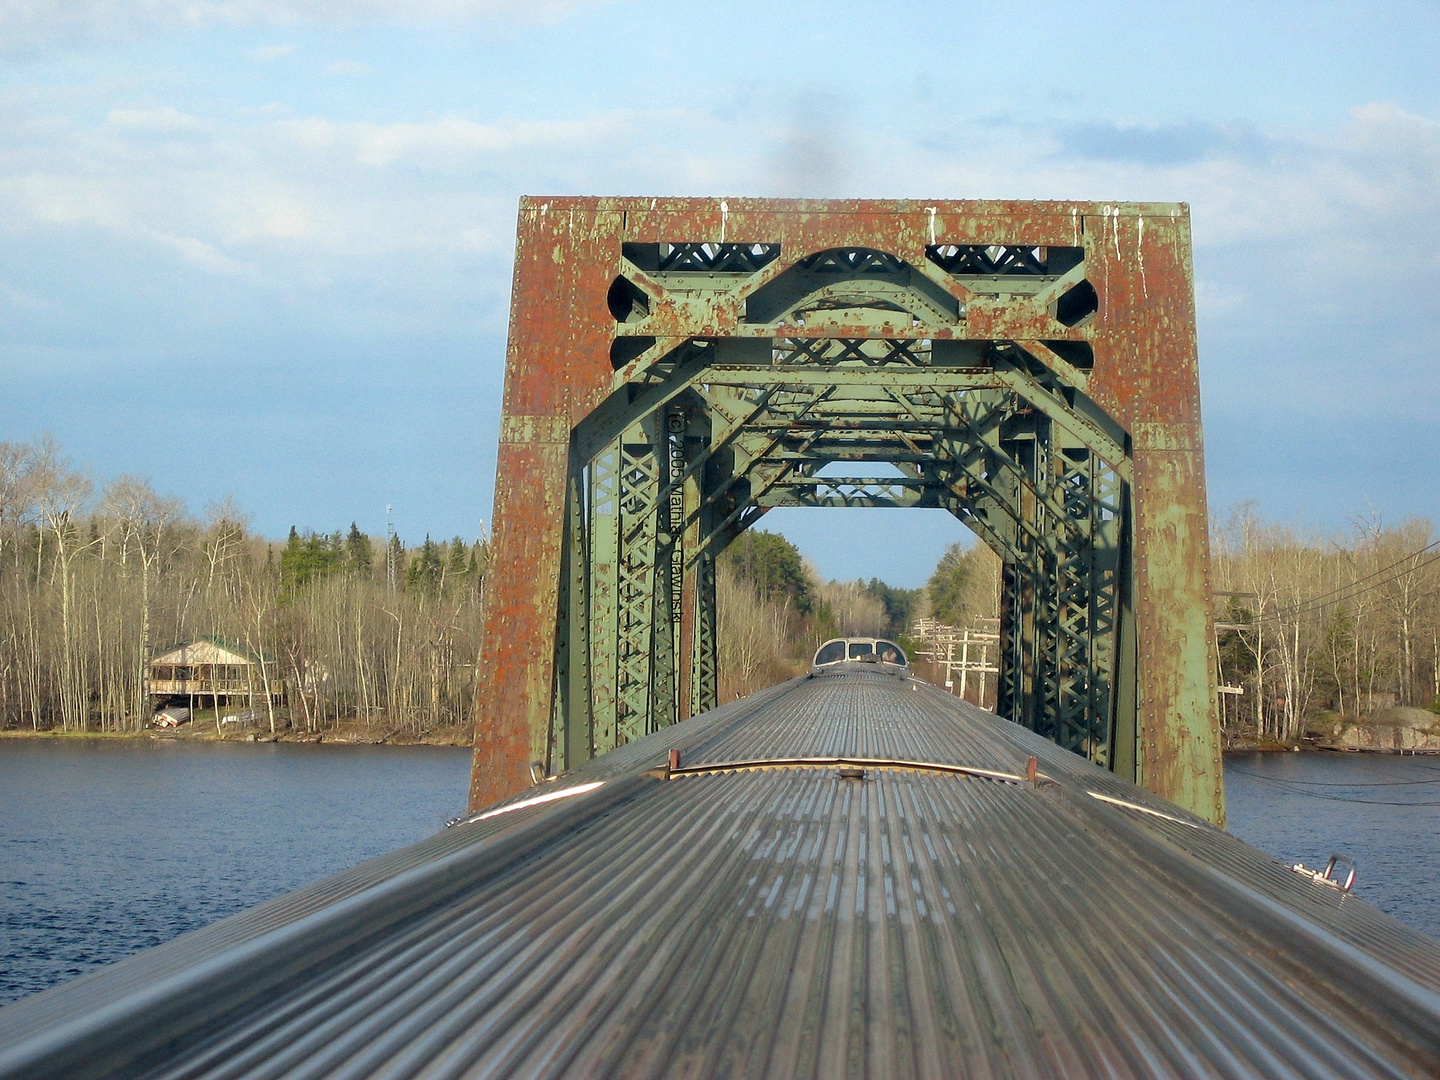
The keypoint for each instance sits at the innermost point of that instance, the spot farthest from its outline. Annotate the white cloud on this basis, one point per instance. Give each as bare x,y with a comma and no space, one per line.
1301,236
455,142
347,67
272,52
267,229
282,198
1368,185
30,26
157,121
1218,297
22,300
1381,167
200,254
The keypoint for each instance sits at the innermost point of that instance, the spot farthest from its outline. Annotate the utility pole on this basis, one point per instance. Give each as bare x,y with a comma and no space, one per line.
1259,649
964,660
946,638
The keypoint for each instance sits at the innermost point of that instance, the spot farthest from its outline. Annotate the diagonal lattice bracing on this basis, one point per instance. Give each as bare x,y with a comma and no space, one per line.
848,261
973,445
712,258
987,260
1024,366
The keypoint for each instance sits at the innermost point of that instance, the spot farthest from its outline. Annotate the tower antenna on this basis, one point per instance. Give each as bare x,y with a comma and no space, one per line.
389,551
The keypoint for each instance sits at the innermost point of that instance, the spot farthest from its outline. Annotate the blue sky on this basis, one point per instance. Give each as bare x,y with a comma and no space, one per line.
262,248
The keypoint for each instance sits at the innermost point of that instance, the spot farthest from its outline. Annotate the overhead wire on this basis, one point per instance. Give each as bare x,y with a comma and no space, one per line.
1375,573
1320,603
1364,802
1330,783
1298,787
1317,603
1349,591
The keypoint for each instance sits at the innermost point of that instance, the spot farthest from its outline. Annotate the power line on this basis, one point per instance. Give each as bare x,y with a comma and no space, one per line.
1357,581
1363,802
1375,573
1349,591
1319,605
1294,786
1328,783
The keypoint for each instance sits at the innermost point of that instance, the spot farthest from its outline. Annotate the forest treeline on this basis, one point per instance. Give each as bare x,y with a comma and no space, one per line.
1311,626
97,580
1314,626
94,582
774,607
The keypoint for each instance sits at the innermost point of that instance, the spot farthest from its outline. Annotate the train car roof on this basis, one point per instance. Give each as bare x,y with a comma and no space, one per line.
847,874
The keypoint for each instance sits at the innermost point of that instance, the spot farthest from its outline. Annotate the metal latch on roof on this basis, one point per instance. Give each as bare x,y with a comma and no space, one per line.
1331,875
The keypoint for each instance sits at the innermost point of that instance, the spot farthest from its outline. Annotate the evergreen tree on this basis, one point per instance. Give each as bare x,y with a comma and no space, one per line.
899,604
773,566
949,586
359,555
292,558
395,556
456,569
426,569
1332,679
1237,662
308,558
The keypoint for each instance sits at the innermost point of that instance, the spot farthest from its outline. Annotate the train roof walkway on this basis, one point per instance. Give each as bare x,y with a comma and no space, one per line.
846,875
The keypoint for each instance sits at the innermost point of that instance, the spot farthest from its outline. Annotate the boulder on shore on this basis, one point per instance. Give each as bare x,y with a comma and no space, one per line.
1387,730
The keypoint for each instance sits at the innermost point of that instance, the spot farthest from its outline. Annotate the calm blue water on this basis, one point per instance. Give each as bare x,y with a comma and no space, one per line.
110,847
1382,811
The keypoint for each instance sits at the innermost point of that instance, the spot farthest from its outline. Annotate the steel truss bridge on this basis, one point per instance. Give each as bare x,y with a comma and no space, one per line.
678,367
852,873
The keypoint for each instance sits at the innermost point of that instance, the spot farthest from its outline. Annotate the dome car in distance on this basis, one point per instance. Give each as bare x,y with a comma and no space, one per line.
860,650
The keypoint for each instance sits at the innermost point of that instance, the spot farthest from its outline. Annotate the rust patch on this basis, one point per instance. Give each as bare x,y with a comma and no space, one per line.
559,369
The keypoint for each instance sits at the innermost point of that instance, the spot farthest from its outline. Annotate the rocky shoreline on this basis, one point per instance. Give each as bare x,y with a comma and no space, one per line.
1391,731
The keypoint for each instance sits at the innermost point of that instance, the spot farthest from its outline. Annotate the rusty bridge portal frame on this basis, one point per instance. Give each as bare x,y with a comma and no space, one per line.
677,367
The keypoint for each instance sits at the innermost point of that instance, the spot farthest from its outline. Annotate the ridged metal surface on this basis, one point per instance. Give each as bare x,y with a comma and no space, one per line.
782,922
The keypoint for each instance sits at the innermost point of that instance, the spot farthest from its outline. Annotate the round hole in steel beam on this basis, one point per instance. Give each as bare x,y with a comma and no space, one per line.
1078,305
626,300
625,349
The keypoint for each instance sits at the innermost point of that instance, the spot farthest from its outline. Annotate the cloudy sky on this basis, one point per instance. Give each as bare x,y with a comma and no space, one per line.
262,247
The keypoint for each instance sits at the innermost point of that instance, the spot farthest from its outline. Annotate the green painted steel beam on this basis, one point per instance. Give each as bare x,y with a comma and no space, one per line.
1010,446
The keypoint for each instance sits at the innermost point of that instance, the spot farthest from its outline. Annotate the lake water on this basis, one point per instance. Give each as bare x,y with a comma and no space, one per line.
1381,810
108,847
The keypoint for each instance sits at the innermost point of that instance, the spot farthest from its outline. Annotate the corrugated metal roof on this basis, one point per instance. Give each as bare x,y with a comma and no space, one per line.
782,921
